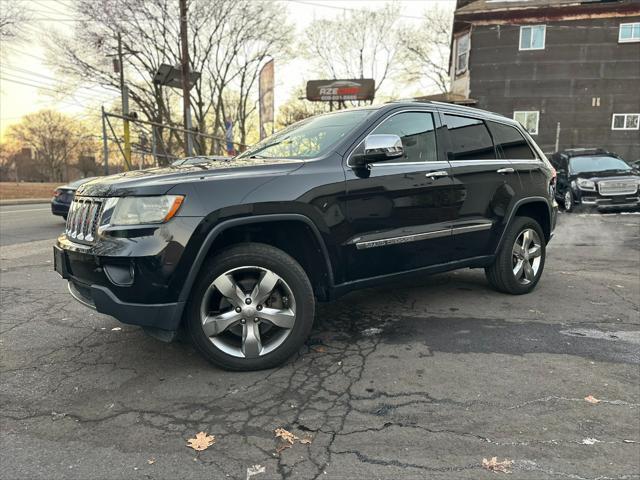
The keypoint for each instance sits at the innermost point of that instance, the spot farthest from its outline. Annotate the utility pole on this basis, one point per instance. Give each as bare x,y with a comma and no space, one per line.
105,145
125,107
186,98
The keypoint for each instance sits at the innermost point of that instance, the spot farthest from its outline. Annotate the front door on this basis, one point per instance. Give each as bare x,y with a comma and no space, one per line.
485,186
399,212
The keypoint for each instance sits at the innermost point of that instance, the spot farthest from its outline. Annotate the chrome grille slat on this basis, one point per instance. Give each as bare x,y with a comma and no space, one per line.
83,219
617,187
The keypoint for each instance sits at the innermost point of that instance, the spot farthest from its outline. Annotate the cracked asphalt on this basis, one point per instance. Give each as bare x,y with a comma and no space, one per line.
418,379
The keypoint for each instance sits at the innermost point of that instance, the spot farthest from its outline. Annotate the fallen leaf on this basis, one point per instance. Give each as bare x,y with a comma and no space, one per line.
590,441
286,435
151,461
319,349
495,466
282,447
306,440
201,442
255,470
591,399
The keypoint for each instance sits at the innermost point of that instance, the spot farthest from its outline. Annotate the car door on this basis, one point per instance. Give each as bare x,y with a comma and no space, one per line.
484,185
399,212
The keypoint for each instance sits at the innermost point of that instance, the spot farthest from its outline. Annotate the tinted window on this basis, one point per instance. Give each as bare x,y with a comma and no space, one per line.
417,133
509,142
470,139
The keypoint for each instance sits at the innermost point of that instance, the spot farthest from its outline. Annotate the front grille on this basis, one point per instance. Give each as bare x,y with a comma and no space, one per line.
617,187
83,219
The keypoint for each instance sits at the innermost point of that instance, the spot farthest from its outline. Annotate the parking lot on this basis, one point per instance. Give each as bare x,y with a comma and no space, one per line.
418,379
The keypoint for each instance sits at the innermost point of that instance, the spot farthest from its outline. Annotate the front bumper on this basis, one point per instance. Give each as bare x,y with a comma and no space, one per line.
610,202
134,276
59,208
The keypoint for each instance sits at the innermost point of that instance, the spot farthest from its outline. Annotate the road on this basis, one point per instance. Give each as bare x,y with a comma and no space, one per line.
26,223
418,379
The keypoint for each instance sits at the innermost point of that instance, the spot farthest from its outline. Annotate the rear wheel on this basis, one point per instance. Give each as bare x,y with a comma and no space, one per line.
520,262
251,308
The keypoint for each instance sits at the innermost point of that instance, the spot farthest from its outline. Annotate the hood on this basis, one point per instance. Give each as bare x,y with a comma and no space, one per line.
158,181
607,175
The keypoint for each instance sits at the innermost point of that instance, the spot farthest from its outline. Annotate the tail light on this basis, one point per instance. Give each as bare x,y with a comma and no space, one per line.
57,192
552,182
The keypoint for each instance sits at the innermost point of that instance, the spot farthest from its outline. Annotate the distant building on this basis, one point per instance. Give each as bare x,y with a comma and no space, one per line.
568,70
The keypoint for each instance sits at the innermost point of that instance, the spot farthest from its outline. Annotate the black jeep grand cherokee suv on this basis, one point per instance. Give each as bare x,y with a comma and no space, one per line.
237,252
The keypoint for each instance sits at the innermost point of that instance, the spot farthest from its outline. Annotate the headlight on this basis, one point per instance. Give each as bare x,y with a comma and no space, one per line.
143,210
584,184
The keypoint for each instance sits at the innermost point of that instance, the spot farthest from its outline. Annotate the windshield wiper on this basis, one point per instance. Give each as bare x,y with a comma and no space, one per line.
269,145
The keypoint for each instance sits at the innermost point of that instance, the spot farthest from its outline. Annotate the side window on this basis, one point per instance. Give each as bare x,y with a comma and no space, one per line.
417,131
470,139
509,142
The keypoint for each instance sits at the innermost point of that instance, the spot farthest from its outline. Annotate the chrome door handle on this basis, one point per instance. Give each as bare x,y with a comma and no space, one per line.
439,173
505,170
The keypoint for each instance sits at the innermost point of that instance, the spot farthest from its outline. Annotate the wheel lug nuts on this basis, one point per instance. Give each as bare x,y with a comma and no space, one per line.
259,307
256,320
247,301
238,309
243,321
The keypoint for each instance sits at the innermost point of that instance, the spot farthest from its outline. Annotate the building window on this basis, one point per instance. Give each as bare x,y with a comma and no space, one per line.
462,54
629,32
528,120
625,121
532,37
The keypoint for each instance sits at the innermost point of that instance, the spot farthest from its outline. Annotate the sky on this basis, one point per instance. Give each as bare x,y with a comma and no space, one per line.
28,85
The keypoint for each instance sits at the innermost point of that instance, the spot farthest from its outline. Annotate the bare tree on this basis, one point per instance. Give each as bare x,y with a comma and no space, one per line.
425,50
296,108
227,41
360,44
56,140
13,18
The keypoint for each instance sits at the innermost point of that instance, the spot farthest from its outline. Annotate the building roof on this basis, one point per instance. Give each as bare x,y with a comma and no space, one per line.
486,6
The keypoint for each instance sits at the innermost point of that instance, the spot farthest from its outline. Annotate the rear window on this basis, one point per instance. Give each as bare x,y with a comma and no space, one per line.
509,142
469,138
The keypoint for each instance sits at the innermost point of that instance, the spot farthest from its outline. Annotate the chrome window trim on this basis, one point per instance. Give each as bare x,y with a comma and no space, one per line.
432,111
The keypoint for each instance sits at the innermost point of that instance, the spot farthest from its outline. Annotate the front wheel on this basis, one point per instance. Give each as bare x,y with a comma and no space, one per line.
520,261
568,201
252,307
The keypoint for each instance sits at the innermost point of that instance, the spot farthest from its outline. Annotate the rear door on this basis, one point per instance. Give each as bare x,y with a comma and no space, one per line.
511,145
484,184
399,212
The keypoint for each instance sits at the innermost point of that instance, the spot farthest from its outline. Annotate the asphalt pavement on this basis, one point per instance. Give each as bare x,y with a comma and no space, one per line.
417,379
26,223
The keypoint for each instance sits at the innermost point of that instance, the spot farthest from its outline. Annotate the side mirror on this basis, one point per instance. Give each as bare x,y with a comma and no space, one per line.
379,148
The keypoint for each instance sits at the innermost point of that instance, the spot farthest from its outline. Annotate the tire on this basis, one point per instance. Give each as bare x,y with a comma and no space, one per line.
567,202
502,275
242,337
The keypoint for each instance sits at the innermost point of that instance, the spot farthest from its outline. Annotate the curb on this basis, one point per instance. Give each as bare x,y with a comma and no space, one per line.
24,201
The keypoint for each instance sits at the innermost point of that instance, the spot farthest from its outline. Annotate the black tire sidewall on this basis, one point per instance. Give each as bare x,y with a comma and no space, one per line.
260,255
511,285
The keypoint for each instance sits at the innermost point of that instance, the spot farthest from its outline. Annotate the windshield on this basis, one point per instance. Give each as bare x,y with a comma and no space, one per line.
308,138
597,164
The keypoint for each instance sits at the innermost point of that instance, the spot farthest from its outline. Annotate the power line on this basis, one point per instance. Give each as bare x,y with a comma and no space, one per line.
34,84
336,7
91,95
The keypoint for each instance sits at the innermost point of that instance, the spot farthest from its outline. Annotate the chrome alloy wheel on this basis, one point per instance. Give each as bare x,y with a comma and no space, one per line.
568,201
527,256
248,312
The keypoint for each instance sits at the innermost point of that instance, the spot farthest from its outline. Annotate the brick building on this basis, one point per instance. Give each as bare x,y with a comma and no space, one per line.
568,70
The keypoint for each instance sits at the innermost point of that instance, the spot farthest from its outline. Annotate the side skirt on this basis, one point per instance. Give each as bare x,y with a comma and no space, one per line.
474,262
